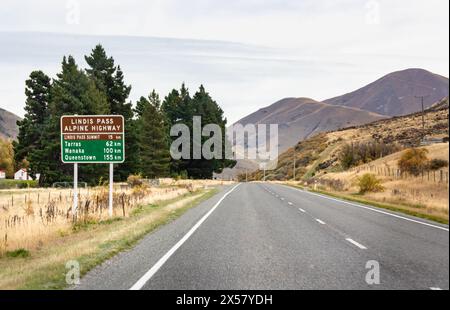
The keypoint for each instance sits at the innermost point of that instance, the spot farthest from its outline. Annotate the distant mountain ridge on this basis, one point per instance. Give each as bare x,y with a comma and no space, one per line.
8,124
301,118
395,94
392,95
319,155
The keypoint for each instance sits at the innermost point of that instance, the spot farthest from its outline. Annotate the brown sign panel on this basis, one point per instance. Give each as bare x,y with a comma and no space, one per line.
84,124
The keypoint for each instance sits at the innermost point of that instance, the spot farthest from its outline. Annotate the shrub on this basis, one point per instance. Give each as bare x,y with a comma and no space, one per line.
355,154
134,180
10,184
413,161
18,253
369,183
436,164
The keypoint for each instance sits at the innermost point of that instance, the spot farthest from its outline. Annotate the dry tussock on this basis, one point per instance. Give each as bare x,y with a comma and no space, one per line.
30,218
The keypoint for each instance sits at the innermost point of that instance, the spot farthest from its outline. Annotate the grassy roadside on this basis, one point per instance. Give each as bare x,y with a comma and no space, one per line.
91,244
405,209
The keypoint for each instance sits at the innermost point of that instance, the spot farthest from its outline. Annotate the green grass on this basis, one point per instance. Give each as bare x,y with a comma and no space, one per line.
392,207
12,184
20,253
53,276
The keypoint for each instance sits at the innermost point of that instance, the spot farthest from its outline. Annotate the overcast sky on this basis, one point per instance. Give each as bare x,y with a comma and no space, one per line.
269,49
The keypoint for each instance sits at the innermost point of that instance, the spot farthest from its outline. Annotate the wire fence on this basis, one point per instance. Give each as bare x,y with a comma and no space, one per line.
436,176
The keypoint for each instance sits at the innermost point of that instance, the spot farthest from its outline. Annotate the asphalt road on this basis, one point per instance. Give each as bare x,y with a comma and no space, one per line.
265,236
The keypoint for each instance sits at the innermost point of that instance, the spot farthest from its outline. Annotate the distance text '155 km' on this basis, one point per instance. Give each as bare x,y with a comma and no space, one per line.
92,139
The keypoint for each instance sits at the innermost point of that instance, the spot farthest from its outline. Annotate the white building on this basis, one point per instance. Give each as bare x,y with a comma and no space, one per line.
22,174
2,174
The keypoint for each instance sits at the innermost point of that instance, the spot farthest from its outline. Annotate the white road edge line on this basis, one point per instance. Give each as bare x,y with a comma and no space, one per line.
359,245
320,222
372,209
149,274
435,289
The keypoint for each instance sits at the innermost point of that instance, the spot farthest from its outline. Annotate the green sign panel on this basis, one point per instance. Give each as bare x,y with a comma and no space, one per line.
92,139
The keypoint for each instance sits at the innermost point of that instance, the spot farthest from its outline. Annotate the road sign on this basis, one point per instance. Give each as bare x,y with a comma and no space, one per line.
92,139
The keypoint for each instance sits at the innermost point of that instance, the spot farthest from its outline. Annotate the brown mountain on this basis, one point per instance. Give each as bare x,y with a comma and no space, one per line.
301,118
319,155
394,94
8,124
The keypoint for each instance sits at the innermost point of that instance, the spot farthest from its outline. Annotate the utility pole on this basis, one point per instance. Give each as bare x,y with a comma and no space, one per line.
246,176
423,113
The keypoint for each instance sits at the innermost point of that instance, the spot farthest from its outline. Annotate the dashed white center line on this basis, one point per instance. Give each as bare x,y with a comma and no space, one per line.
282,198
435,289
301,210
359,245
290,203
320,222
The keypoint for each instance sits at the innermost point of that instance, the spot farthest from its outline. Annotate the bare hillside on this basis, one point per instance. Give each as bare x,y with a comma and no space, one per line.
319,155
301,118
394,94
8,124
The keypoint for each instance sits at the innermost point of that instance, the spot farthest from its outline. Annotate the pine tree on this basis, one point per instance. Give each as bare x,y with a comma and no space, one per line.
154,99
101,69
211,113
72,93
153,140
29,140
179,107
110,80
172,107
141,104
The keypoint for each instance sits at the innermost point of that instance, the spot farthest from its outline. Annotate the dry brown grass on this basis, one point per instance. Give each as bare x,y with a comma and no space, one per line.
31,218
428,195
45,267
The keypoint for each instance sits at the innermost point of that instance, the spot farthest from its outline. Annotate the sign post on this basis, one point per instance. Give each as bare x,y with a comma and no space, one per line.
75,190
93,139
111,181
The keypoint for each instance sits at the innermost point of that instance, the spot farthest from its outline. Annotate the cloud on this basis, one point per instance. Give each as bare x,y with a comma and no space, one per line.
285,47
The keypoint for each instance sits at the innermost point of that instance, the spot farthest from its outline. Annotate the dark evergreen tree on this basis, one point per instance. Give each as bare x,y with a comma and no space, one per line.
101,69
172,107
153,140
154,99
141,104
29,140
178,110
72,93
179,107
110,80
211,113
